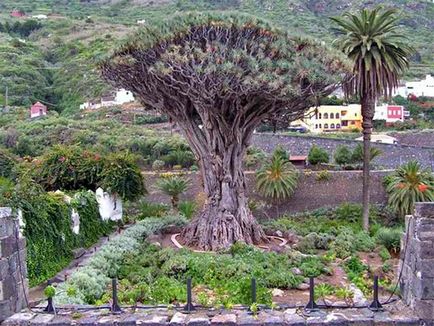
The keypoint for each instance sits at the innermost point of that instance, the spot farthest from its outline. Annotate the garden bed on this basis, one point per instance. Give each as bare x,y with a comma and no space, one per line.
325,245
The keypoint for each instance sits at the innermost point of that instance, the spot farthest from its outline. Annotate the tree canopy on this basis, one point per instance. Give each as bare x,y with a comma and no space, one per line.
210,61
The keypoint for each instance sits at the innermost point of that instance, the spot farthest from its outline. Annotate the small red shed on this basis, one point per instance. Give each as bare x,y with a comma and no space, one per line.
38,110
17,13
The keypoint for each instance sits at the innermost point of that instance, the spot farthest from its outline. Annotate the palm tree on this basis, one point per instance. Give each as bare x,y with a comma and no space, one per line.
277,179
358,154
379,54
407,185
173,186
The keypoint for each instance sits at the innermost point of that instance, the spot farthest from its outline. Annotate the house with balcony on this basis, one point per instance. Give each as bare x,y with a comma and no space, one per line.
332,118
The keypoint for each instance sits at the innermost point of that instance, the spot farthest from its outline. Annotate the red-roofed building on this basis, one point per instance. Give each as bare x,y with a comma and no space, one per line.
17,13
38,110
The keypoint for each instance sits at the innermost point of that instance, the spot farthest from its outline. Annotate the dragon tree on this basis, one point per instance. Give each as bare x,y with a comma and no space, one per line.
218,76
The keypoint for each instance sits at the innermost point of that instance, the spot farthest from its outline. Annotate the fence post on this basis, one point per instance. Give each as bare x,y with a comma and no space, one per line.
253,286
189,306
311,305
115,308
375,305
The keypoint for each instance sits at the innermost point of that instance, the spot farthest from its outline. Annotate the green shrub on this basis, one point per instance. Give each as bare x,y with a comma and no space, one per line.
158,165
323,176
343,155
173,186
121,175
384,254
50,291
317,155
7,164
277,179
187,209
390,238
409,184
148,209
357,155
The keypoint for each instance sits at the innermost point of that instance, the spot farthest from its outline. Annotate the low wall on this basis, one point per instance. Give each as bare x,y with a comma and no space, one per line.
417,261
393,155
13,270
343,186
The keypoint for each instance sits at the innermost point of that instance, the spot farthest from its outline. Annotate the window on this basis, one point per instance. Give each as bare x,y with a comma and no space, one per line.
326,115
316,126
320,126
332,116
338,126
353,123
337,115
319,115
332,126
326,125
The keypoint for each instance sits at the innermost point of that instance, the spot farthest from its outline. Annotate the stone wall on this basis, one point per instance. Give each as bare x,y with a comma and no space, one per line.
417,261
393,155
13,269
342,186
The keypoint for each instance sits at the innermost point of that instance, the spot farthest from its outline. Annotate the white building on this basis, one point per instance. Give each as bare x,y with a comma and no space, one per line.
121,96
40,16
381,139
424,87
390,113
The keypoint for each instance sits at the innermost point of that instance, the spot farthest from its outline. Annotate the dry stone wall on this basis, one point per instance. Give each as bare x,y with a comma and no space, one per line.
13,270
417,261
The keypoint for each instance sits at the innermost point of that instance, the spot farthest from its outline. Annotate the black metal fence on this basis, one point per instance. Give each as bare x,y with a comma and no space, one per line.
310,306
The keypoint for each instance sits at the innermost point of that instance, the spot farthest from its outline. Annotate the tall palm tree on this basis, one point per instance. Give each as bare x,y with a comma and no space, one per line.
380,55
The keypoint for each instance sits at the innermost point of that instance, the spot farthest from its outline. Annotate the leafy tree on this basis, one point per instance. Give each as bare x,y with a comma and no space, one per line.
281,152
173,186
343,155
219,76
358,155
317,155
277,179
380,54
407,185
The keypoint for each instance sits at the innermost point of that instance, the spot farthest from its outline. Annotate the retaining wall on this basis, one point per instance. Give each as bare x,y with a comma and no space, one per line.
13,269
392,157
417,261
343,186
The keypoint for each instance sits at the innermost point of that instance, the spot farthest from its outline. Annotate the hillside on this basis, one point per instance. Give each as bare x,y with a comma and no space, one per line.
55,60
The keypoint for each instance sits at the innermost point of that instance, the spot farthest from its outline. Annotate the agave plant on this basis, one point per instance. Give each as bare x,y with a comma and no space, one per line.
407,185
173,186
277,179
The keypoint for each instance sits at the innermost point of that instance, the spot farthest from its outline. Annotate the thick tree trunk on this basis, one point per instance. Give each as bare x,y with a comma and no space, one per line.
368,109
226,217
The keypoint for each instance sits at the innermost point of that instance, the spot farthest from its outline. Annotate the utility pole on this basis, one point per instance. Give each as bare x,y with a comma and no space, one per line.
6,98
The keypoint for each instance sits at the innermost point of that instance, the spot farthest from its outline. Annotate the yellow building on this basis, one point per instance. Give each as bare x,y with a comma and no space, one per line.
329,118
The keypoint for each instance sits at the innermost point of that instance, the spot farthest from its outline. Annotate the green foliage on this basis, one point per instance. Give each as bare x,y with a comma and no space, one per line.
158,165
378,50
317,155
48,228
187,209
384,254
343,155
7,164
254,157
71,168
278,178
173,186
355,270
183,158
121,175
390,238
323,175
323,290
357,155
50,291
407,185
148,209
